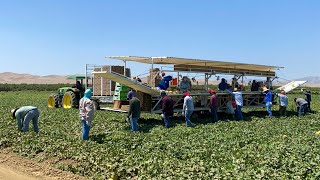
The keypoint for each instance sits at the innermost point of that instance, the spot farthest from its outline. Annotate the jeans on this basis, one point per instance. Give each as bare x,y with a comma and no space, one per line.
309,106
238,112
166,120
303,109
268,106
188,115
214,114
134,124
85,130
31,115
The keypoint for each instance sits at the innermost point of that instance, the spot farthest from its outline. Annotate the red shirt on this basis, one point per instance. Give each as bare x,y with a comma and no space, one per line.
213,101
167,105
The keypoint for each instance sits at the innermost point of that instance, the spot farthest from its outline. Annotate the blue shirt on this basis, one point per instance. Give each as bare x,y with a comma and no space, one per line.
223,86
283,100
268,97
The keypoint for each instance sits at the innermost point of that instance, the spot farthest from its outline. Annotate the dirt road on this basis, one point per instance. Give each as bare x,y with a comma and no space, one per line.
13,167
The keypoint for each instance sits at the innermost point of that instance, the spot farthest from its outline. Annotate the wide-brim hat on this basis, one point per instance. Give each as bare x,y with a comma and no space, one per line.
264,89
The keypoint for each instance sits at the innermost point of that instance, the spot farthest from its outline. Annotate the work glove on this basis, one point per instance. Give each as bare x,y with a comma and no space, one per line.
162,115
182,114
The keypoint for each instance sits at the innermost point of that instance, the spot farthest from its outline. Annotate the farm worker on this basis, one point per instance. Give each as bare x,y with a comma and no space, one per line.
234,83
131,94
188,108
268,100
167,108
213,105
239,102
86,113
308,98
223,85
302,105
24,115
185,84
134,113
283,98
165,83
255,86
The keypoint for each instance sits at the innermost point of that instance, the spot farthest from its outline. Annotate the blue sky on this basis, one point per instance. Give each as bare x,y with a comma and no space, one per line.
60,37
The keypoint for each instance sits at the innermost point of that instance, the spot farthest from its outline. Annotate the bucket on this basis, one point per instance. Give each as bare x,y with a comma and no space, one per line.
174,82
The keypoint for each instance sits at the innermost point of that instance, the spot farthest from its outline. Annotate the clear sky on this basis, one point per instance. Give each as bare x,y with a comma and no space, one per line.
45,37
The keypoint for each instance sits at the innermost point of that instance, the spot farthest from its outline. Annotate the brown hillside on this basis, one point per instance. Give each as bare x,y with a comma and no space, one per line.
15,78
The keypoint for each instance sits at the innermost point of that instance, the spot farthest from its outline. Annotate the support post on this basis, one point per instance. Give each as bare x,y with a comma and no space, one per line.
151,74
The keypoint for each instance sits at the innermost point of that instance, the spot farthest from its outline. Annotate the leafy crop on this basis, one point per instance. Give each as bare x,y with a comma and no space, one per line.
277,148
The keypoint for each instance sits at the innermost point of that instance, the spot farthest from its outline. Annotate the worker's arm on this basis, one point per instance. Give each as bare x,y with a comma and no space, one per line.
184,104
230,92
19,120
130,108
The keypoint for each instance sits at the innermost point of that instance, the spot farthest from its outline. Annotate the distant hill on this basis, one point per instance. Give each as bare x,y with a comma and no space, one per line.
15,78
310,79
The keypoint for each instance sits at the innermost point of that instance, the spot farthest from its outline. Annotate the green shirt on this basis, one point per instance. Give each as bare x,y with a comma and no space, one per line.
21,113
134,110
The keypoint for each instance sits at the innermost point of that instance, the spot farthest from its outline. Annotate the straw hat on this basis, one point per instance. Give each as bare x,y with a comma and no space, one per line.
264,89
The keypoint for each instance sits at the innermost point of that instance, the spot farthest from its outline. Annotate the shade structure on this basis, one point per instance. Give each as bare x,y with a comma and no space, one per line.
200,65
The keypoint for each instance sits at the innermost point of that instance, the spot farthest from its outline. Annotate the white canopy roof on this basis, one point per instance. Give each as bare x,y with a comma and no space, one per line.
189,64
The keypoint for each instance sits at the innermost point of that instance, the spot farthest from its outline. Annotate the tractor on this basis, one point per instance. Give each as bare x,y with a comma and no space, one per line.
67,97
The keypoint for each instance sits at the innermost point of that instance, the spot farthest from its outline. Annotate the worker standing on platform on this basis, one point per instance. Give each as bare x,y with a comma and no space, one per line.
223,85
185,84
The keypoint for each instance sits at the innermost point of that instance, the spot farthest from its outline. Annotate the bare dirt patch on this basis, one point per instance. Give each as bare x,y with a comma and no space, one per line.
13,167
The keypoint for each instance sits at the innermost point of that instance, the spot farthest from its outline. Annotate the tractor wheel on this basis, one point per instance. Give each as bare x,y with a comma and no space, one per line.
96,105
69,100
53,101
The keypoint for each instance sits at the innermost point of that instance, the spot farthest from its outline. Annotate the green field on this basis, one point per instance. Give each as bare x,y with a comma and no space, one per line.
259,147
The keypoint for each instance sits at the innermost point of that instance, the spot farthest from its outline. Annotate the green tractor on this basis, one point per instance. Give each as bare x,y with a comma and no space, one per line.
68,97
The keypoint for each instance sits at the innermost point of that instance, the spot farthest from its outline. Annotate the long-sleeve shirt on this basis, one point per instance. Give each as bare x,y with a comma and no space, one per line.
223,86
301,102
283,99
21,113
268,97
185,86
308,96
214,101
134,109
237,96
188,104
167,105
86,109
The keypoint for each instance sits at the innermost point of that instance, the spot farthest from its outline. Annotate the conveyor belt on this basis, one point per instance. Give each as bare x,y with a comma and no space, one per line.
127,82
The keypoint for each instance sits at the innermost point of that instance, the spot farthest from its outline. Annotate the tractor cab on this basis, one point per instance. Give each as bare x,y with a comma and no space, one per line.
68,97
